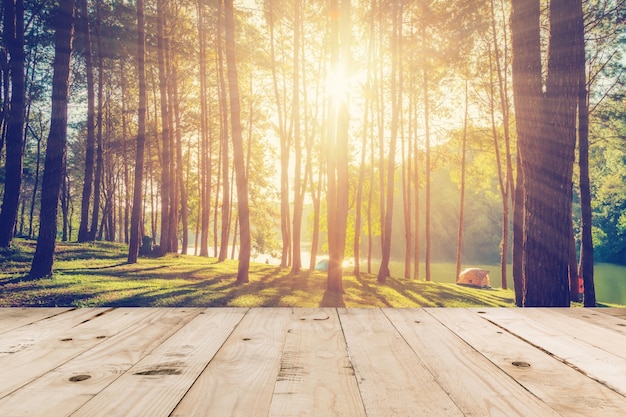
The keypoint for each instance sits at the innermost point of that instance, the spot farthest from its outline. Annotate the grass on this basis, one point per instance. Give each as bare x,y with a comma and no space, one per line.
96,274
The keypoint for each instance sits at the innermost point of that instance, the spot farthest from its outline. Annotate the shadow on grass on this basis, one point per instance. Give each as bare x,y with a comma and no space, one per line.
102,277
332,299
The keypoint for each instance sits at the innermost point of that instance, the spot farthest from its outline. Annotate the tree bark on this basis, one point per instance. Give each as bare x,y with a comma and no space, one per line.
459,245
14,41
383,272
64,33
338,181
585,268
83,229
165,241
298,196
547,137
136,215
226,205
238,153
98,177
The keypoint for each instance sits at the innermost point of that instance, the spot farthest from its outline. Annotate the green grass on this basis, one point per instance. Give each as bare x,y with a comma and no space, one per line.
97,275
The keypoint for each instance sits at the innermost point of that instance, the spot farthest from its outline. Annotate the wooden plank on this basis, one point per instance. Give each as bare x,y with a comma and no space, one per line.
393,381
25,337
66,388
316,377
595,362
596,316
617,312
54,346
239,381
14,317
594,335
564,389
477,386
154,385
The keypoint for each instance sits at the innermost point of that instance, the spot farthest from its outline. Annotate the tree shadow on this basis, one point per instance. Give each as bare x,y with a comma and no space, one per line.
333,299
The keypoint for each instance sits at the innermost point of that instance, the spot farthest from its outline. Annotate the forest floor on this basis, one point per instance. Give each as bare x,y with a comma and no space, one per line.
96,274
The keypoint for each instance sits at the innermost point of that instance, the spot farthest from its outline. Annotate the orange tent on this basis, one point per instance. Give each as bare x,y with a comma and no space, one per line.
474,277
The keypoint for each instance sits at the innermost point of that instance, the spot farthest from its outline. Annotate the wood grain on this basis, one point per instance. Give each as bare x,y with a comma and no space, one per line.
476,385
66,388
563,388
393,380
240,379
316,377
283,362
14,317
547,334
59,341
154,386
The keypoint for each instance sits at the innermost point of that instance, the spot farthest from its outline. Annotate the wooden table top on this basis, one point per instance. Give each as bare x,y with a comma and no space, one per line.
312,362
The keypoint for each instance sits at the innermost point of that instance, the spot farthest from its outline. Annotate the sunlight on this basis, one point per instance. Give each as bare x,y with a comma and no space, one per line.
338,85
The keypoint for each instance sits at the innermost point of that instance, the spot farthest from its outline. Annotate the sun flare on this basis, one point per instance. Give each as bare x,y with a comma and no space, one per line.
338,85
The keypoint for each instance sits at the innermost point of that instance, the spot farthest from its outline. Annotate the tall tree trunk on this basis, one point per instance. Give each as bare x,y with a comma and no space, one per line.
238,154
585,269
416,182
97,193
428,169
33,199
83,228
518,236
136,219
338,181
165,241
64,33
226,205
174,131
383,272
284,149
505,180
298,196
205,161
14,41
459,245
369,106
65,202
182,189
125,225
547,148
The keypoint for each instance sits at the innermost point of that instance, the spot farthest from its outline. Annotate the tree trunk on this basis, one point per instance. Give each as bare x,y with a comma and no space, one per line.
165,241
338,185
64,32
547,148
175,180
136,216
65,204
428,168
226,206
205,160
238,154
83,229
14,41
182,190
505,180
298,196
518,236
416,182
33,199
97,193
459,245
383,272
585,269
